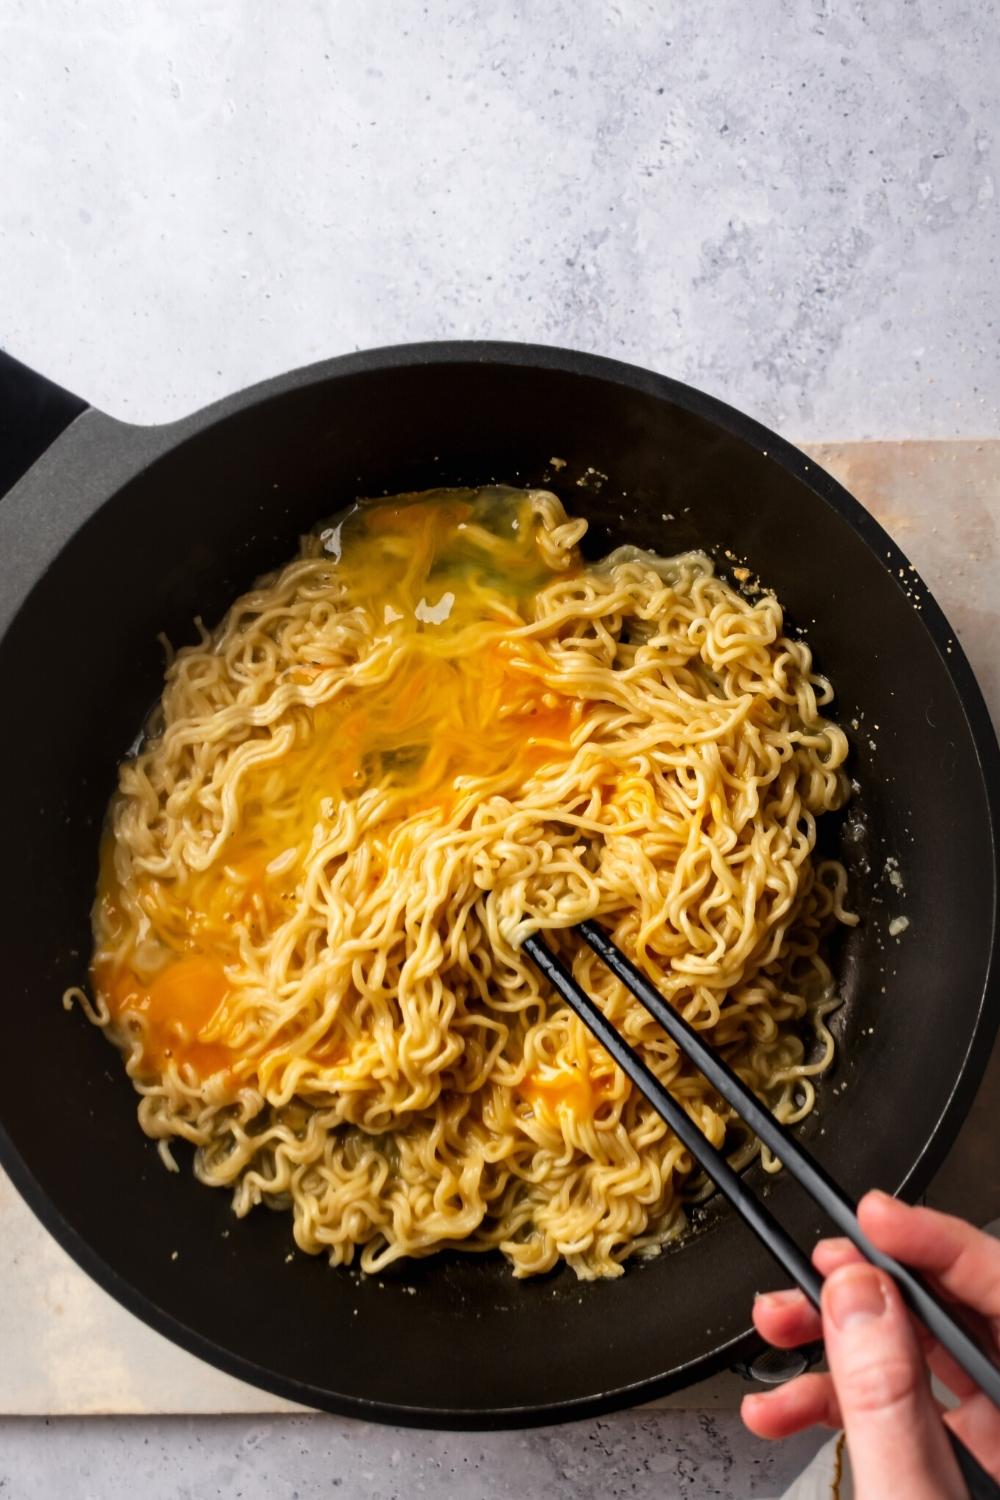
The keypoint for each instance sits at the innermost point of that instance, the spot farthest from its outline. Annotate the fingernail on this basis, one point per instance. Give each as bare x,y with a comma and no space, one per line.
854,1295
780,1299
838,1244
878,1193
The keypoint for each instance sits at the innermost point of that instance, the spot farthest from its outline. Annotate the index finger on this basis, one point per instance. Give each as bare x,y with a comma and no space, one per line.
965,1261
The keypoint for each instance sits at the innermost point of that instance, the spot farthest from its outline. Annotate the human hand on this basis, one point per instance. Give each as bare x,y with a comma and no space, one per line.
878,1388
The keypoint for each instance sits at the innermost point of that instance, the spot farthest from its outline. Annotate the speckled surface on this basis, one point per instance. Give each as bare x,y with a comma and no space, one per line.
635,1457
791,205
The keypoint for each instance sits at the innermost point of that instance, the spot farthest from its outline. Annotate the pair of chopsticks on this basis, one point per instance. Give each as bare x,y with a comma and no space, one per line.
793,1155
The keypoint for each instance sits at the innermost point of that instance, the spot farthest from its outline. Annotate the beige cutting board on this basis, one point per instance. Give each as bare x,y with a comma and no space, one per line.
69,1349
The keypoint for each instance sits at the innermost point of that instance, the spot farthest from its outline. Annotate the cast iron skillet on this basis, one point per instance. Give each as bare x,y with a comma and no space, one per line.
117,533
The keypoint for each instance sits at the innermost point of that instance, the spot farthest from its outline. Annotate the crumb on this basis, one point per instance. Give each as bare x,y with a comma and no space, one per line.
174,1254
898,925
557,463
742,574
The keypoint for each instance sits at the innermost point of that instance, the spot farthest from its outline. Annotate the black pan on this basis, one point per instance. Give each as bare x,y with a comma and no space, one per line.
117,533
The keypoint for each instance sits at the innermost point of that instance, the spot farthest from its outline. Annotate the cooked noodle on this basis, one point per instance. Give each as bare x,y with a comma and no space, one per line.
434,732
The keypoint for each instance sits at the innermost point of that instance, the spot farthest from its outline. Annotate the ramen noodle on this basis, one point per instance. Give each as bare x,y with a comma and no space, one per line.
434,732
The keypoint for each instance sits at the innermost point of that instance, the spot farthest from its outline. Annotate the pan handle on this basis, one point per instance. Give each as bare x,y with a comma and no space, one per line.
33,412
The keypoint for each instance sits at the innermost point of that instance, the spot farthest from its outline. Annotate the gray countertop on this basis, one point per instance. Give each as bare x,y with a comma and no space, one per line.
791,206
632,1456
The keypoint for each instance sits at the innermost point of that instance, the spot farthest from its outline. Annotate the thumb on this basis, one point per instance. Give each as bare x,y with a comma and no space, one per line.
896,1439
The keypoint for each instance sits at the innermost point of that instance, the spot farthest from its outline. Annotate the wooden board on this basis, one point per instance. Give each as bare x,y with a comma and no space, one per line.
70,1349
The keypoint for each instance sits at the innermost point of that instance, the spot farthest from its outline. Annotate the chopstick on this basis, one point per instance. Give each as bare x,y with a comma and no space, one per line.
793,1155
761,1220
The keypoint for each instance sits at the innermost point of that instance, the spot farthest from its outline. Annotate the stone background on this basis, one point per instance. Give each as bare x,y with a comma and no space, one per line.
790,204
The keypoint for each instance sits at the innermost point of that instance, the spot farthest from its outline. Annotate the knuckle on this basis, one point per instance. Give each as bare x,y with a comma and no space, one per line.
881,1384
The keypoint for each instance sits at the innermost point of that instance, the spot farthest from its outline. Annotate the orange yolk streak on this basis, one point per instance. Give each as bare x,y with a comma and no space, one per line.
176,1007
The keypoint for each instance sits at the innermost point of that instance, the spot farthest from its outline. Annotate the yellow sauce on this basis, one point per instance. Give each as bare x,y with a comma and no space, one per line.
463,713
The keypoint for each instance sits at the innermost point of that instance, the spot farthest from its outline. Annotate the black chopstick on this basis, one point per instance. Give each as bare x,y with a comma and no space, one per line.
792,1154
760,1219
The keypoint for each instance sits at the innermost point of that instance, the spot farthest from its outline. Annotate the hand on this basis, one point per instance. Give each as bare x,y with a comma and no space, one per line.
878,1388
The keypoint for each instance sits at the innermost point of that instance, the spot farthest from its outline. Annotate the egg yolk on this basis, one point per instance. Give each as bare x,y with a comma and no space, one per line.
551,1090
176,1007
